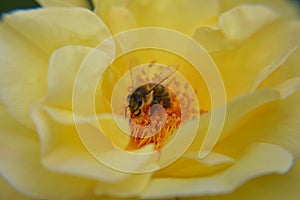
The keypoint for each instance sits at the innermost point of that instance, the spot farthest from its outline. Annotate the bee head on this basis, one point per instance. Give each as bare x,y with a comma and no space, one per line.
136,100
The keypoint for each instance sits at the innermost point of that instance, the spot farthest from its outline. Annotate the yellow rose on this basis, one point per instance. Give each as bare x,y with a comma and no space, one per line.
46,66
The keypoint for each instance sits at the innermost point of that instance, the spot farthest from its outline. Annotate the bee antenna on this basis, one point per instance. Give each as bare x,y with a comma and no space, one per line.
125,111
157,84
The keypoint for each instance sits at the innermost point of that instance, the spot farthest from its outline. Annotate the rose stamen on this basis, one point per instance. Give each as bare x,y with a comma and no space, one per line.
157,128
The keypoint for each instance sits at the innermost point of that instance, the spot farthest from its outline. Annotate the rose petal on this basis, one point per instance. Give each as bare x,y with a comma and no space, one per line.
63,151
243,21
236,111
7,192
107,122
212,39
59,97
235,26
79,3
190,166
51,28
23,73
65,64
276,122
116,198
289,69
257,57
63,68
286,8
213,158
267,187
20,165
288,87
178,15
268,70
241,106
132,186
120,19
235,136
257,160
27,39
280,124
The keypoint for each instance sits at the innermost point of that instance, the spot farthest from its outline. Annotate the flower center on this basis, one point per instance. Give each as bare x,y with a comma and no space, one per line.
157,108
156,123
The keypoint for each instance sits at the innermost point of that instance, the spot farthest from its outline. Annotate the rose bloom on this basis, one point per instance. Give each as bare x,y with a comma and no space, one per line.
255,46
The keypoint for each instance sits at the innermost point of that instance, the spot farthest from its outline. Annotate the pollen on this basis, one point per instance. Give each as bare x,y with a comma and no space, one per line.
162,125
157,123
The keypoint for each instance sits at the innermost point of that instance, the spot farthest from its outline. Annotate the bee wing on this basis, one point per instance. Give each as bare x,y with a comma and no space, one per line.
166,73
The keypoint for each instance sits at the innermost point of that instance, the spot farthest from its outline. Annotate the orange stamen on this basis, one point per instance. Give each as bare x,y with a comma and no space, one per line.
142,136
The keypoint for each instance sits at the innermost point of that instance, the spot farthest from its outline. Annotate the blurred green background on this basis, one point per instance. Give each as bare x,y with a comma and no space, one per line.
8,5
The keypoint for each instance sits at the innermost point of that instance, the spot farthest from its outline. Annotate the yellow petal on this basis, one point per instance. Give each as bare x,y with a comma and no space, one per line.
213,158
20,165
180,15
286,8
257,160
288,87
27,39
244,104
212,39
63,151
132,186
63,68
235,136
190,166
287,70
280,125
120,19
243,21
88,143
283,59
116,198
275,122
65,64
79,3
265,72
236,111
7,192
248,64
267,187
107,122
22,73
51,28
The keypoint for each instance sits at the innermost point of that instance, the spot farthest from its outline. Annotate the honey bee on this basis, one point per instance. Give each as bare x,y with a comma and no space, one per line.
140,104
150,94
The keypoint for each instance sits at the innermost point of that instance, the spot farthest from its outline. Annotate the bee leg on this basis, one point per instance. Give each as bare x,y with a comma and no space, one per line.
125,111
